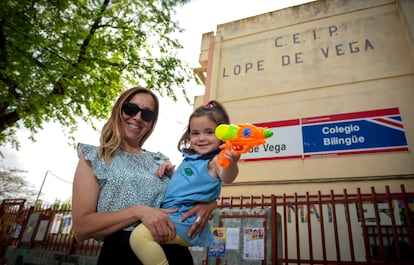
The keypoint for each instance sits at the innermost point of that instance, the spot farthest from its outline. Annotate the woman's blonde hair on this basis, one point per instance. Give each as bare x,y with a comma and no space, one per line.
112,135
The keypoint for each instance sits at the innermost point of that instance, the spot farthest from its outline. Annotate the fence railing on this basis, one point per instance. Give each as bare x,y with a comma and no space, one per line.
345,228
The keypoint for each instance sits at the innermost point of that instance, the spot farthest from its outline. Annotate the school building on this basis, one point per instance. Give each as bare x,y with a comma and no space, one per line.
334,81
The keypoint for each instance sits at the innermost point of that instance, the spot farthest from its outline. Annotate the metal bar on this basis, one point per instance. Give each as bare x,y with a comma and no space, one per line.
286,246
297,228
309,225
321,223
393,223
407,211
348,222
275,235
335,225
364,229
378,223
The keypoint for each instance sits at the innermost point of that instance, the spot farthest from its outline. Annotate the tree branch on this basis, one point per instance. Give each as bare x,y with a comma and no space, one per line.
95,26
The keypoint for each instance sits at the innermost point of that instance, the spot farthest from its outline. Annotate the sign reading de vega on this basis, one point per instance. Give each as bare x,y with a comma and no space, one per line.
341,134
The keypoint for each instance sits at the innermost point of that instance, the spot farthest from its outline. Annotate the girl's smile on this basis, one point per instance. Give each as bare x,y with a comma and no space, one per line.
202,135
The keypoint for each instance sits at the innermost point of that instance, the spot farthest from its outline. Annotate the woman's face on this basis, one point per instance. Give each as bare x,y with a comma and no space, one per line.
136,117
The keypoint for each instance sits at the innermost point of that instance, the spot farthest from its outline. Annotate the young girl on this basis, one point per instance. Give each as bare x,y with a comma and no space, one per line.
197,179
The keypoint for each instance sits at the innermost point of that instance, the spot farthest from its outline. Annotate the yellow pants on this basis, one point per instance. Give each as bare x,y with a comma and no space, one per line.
147,249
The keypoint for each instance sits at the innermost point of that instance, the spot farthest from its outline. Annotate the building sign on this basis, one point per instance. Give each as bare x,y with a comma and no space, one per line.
284,144
360,132
326,52
341,134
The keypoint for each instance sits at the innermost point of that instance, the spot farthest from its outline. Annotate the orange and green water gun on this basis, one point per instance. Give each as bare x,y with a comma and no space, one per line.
240,138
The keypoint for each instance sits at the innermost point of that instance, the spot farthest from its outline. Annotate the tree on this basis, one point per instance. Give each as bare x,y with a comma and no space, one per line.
13,185
68,59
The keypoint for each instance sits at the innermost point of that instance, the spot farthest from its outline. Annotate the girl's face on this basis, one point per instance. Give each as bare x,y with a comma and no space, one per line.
136,124
202,135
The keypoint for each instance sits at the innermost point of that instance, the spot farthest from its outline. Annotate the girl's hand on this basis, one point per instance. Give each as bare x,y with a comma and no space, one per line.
165,169
232,155
204,212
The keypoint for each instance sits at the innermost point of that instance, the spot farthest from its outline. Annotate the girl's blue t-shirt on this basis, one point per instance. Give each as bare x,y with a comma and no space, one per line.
190,184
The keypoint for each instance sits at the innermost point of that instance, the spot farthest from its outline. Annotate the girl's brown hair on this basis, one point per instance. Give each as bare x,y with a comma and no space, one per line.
112,134
215,111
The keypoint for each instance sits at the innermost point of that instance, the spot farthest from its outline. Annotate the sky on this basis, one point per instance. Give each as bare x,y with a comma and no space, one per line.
52,161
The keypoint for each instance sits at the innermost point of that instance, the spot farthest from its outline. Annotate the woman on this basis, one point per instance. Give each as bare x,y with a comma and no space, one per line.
115,187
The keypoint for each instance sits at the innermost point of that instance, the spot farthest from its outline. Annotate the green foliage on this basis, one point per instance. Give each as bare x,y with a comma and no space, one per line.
60,60
62,205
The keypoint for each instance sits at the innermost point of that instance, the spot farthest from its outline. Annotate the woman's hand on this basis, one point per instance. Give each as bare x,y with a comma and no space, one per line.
203,211
158,222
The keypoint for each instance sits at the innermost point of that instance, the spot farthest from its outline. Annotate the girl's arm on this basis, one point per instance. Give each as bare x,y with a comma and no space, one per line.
165,169
228,174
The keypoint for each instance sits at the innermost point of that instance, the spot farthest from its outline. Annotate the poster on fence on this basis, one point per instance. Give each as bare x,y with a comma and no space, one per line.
57,220
41,230
30,227
233,236
253,244
218,248
17,231
67,224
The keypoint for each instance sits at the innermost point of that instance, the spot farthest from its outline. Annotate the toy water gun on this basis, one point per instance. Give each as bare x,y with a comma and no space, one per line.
240,138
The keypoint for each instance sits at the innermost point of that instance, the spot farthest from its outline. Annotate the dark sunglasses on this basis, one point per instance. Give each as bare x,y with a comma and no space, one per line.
132,109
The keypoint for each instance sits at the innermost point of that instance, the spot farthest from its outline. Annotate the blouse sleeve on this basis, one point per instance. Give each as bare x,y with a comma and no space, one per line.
160,158
89,152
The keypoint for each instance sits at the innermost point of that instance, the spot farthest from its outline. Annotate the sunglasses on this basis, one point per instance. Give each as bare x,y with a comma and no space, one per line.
132,109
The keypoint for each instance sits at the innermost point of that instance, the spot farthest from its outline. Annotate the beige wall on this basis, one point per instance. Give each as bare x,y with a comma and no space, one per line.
322,58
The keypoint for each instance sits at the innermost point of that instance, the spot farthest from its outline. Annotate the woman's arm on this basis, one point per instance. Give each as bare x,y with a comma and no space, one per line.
88,223
202,210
